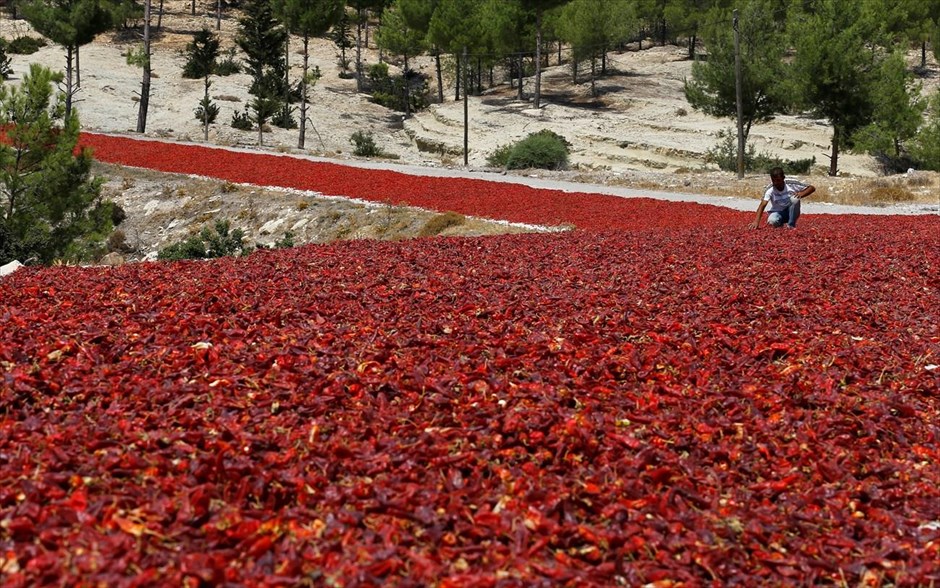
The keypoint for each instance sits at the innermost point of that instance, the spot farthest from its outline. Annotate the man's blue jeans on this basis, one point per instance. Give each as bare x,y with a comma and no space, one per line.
787,216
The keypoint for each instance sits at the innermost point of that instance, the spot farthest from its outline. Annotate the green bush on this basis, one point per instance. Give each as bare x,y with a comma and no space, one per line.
242,121
725,155
542,150
220,241
925,149
26,45
389,91
207,111
500,157
284,118
364,144
228,65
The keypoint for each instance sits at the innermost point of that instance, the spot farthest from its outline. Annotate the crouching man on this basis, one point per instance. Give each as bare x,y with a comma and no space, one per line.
784,198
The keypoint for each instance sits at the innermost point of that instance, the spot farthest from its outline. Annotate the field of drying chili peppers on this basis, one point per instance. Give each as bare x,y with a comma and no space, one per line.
653,400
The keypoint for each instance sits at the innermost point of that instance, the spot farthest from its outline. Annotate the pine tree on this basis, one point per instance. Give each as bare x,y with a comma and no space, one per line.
70,23
50,206
898,113
711,88
263,40
202,54
837,55
308,18
925,148
342,37
538,7
398,38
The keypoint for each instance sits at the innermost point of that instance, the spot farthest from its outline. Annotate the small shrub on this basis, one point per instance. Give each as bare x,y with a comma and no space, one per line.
390,91
26,45
242,120
364,144
284,118
219,241
228,65
437,224
285,243
725,155
500,157
541,150
118,214
117,242
207,111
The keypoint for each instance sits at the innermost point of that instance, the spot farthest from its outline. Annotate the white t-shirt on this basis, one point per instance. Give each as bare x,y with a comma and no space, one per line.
780,199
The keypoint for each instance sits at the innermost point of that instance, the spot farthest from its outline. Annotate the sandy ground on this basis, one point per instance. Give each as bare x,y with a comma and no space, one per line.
639,134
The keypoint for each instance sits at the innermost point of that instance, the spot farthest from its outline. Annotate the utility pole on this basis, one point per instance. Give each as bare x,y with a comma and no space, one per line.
738,98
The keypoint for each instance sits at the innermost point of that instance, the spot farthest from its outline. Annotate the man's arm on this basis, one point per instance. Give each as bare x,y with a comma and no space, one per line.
805,192
760,211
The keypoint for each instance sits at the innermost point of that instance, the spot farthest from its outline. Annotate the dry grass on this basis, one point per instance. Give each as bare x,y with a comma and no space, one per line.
439,223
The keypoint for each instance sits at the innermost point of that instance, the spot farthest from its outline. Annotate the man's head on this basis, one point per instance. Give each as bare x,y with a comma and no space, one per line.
777,178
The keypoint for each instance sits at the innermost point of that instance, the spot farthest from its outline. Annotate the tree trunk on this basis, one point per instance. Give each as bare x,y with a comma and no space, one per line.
145,82
457,81
359,50
923,54
205,113
193,8
69,90
287,76
407,87
559,52
160,16
538,58
78,69
303,93
834,160
692,41
218,15
440,77
479,76
521,68
593,76
604,61
574,71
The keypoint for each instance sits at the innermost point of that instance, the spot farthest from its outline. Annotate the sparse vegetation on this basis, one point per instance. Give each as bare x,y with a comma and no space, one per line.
26,45
725,155
228,65
218,241
439,223
391,90
242,120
